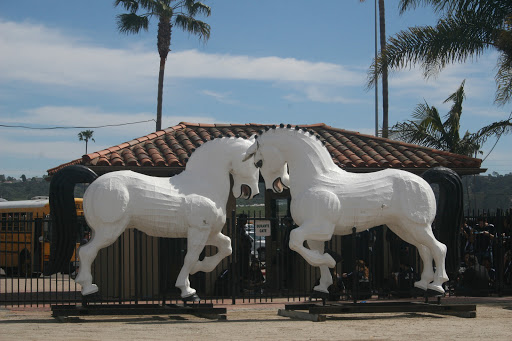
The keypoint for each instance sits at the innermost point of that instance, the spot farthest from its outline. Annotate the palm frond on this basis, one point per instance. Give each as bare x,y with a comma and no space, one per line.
466,30
405,5
416,133
494,129
132,23
468,145
129,5
193,26
452,123
194,7
503,80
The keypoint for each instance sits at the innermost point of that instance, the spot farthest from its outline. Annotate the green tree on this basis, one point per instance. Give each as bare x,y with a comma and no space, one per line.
466,29
86,135
428,129
2,177
23,178
170,13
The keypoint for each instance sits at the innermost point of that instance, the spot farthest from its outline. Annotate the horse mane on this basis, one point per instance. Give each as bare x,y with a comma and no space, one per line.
206,148
310,137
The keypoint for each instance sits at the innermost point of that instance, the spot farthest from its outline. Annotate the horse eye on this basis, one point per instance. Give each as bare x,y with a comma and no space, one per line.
259,164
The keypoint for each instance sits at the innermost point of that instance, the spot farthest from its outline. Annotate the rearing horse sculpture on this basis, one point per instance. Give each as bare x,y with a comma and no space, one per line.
327,201
189,205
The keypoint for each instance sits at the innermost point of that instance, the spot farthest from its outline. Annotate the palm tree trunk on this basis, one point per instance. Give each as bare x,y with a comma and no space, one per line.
160,93
163,45
382,22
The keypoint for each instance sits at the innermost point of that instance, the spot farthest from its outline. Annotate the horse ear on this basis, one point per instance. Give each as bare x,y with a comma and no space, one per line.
251,151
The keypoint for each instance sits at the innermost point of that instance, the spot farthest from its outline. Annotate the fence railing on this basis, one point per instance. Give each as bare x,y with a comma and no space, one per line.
141,269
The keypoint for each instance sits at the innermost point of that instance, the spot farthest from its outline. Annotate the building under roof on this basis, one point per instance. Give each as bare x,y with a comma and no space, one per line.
166,152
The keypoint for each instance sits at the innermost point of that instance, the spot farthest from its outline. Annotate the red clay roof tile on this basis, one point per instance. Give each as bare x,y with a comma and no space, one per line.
172,146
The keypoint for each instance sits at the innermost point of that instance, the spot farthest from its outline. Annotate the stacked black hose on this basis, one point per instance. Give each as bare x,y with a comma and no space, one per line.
449,212
63,215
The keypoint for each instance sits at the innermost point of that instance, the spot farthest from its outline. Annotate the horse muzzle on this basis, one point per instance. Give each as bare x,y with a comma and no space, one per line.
278,185
245,192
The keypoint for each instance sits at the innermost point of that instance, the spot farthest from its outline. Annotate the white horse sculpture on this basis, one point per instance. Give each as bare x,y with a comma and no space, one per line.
327,201
191,204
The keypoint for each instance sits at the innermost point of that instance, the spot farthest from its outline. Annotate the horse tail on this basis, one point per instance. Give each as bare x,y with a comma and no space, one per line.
63,212
449,212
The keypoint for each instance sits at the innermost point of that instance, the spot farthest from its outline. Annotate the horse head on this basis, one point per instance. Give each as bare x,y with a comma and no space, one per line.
245,174
272,165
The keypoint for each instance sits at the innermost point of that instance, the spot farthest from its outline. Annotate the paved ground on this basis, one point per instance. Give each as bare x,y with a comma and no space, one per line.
261,322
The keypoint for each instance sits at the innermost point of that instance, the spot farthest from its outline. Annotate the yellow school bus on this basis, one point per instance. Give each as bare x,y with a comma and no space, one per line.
24,235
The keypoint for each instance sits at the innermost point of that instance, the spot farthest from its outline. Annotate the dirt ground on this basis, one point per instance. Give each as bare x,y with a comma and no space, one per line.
261,322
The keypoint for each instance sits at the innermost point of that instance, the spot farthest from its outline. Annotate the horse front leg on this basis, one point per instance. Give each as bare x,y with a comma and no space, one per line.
196,240
313,231
325,275
223,244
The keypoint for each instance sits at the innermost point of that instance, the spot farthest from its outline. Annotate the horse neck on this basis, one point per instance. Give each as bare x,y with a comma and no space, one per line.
305,155
208,170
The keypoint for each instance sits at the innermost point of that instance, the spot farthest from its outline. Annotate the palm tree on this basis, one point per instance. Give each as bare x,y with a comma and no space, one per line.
465,31
384,73
170,13
427,128
86,135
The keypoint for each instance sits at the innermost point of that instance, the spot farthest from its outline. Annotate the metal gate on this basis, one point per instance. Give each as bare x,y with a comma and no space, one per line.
141,269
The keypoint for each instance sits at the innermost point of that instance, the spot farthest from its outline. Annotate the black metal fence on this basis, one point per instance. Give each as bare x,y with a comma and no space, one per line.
141,269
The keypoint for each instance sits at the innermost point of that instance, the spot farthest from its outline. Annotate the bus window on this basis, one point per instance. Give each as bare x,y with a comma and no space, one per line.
16,222
3,222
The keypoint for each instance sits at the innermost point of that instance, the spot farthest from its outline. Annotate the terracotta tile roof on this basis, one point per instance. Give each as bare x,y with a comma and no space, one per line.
171,148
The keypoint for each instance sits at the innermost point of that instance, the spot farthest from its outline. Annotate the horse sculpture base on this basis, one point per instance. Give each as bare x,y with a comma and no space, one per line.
206,310
317,313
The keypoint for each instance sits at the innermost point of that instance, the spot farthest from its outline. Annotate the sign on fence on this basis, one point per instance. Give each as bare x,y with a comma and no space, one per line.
262,228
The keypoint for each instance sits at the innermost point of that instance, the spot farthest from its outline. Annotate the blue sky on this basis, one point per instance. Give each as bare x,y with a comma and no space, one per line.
63,63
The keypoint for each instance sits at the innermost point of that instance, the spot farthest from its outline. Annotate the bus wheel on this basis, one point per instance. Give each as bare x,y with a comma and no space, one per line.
24,265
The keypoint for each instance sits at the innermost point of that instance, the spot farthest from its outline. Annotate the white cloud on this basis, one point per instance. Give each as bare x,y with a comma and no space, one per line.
40,55
319,93
222,97
195,64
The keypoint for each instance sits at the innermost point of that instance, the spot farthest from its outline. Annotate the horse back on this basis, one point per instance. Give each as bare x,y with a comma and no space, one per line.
378,198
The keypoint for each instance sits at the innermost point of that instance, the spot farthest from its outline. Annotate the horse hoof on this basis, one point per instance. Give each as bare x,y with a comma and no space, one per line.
319,294
191,298
320,288
435,289
91,289
421,285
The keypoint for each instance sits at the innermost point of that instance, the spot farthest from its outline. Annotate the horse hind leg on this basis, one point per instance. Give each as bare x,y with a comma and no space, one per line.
438,251
430,249
427,275
325,275
223,244
102,236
